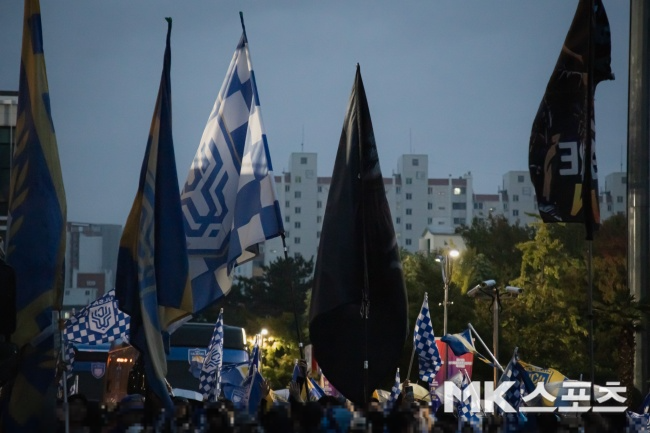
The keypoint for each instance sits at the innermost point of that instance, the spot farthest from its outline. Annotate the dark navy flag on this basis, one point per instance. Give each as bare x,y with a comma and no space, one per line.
562,162
463,343
424,343
229,201
35,243
152,283
358,315
210,379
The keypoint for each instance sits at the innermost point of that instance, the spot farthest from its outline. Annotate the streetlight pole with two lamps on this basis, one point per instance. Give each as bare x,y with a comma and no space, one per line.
446,267
488,289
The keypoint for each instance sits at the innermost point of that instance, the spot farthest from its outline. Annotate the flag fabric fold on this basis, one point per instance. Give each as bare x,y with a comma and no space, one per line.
210,378
462,343
358,267
36,227
152,283
424,344
562,163
395,390
229,198
515,372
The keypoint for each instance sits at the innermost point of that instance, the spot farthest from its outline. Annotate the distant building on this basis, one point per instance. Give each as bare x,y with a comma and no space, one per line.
613,197
90,261
8,113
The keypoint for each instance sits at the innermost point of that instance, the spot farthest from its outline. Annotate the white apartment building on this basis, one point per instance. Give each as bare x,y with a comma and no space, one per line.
8,112
420,206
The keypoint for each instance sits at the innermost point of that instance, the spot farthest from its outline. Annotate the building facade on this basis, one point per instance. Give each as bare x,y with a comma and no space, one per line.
8,112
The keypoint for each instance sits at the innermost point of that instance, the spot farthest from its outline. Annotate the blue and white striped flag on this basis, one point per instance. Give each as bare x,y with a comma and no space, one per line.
637,423
395,390
425,344
210,379
229,201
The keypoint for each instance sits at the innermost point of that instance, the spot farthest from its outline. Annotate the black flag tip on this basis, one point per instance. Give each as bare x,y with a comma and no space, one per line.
169,20
241,18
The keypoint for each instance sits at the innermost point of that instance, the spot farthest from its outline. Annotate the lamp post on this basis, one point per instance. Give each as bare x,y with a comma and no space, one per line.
488,289
445,266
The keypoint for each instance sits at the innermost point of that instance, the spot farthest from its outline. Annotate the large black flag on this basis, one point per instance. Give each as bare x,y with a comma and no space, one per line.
560,143
358,308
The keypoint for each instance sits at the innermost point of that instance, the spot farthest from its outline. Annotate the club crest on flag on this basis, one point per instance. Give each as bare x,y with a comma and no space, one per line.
97,369
195,357
101,317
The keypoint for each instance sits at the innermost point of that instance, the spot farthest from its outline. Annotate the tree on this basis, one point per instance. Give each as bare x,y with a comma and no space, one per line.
269,301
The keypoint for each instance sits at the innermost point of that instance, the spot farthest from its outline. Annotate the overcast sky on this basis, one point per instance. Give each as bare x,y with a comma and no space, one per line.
459,80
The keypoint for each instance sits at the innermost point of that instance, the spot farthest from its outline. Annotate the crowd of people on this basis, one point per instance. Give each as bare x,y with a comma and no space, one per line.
299,415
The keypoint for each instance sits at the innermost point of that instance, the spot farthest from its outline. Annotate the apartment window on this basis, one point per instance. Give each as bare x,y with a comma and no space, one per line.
619,199
515,197
398,220
624,179
287,204
409,196
287,219
309,174
398,189
409,181
320,189
527,191
478,205
319,219
609,207
442,207
296,225
317,235
319,204
296,210
409,211
430,190
416,162
441,223
298,179
520,179
459,190
459,206
303,160
515,212
408,226
459,221
286,188
429,206
297,194
407,241
429,220
420,175
296,240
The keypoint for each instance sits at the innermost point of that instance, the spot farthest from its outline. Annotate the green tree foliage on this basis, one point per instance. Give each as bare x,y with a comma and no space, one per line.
267,301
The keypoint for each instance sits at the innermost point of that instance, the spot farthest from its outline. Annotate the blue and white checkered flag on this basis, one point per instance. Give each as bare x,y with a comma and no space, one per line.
229,200
424,343
210,379
395,390
464,408
637,423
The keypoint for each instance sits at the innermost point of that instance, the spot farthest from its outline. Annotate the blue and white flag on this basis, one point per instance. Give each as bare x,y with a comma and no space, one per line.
645,405
523,385
637,423
466,415
210,380
315,391
424,343
460,343
229,201
395,390
100,322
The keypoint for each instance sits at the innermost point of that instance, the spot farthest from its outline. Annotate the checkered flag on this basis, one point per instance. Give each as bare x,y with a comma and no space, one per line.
637,423
514,372
395,391
98,323
210,379
464,408
425,344
229,200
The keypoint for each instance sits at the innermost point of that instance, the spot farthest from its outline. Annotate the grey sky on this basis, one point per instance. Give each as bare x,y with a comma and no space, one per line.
465,77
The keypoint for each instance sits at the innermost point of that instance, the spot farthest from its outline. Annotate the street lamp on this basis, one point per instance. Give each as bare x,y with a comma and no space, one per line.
445,265
488,289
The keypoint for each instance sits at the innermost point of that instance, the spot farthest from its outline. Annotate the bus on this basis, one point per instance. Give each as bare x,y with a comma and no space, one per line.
101,371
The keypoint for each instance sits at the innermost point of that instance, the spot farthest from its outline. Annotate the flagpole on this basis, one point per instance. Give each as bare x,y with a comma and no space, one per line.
496,362
64,375
586,193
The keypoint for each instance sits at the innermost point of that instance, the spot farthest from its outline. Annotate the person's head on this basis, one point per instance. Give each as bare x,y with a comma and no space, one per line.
78,408
132,410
